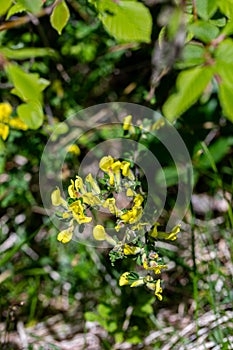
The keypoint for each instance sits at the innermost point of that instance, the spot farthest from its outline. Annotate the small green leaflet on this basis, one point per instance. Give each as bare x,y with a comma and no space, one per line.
127,21
60,16
190,85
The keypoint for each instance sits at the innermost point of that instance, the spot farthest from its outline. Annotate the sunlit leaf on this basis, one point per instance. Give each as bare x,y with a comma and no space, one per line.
127,21
31,114
4,6
60,16
190,85
226,100
206,8
33,6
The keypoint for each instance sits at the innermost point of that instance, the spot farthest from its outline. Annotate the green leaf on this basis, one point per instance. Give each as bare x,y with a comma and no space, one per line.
192,55
4,6
226,7
204,31
206,8
91,316
216,152
226,100
224,62
31,114
127,21
27,86
190,85
22,54
60,16
32,6
17,8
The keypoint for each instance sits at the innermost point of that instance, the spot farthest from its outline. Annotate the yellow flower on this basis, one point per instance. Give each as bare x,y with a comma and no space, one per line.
106,163
125,167
165,235
78,213
4,131
137,283
74,149
93,184
76,187
130,250
56,198
127,122
132,216
66,235
110,203
99,233
123,279
17,123
91,199
152,265
138,200
5,112
158,290
129,192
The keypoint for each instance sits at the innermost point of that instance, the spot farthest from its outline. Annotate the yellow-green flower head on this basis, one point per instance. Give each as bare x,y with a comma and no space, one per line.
138,200
131,250
125,167
78,212
106,163
99,233
93,184
65,236
127,122
124,279
56,198
74,149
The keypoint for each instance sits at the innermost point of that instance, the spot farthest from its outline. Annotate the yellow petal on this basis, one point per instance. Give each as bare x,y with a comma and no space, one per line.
4,131
105,163
57,199
99,233
137,283
125,168
129,192
127,122
65,236
5,111
18,124
93,184
123,279
138,200
74,149
130,250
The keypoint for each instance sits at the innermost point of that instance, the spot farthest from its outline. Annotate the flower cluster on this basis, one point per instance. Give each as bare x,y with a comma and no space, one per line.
6,122
119,192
